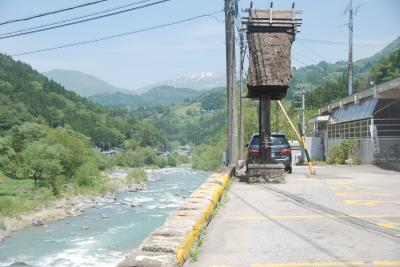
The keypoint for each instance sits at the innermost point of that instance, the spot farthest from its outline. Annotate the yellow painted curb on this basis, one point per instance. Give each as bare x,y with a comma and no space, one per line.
207,189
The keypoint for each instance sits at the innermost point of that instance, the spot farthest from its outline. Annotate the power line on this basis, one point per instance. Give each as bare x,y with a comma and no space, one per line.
75,18
337,42
299,61
85,20
119,35
312,60
310,50
52,12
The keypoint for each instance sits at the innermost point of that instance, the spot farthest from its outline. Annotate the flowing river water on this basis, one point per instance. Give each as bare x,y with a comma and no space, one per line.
104,234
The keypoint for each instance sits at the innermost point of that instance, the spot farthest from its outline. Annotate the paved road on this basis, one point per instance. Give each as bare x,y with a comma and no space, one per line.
344,216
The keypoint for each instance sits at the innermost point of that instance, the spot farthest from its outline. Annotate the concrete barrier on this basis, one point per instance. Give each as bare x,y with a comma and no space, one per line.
170,244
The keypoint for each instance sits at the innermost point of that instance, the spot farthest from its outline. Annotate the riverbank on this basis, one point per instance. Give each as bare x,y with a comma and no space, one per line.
171,244
73,205
103,235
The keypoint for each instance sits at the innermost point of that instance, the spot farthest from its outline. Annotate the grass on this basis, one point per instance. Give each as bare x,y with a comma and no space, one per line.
99,188
195,252
18,196
137,175
224,198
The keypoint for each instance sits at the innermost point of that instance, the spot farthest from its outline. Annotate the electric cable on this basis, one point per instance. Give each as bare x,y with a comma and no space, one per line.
337,42
85,20
119,35
75,18
52,12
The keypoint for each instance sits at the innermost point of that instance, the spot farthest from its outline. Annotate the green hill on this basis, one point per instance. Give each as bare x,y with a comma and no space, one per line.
160,95
385,69
324,72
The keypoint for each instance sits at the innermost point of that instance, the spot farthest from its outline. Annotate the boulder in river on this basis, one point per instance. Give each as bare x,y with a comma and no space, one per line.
18,264
135,204
37,223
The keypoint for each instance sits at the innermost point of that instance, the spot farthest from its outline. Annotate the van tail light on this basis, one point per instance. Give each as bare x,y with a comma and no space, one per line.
253,151
286,152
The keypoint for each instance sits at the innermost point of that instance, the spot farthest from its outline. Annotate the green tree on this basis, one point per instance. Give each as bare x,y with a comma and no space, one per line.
8,157
17,140
75,146
41,162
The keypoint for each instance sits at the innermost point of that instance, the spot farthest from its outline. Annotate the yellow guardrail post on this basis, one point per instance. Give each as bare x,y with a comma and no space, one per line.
300,137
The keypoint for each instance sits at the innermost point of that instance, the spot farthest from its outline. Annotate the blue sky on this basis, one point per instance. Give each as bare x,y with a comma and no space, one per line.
146,58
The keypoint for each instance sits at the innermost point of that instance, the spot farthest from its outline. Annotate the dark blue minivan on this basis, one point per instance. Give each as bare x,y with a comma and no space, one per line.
281,150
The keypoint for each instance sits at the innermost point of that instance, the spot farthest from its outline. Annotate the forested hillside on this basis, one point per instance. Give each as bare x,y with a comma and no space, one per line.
47,139
28,96
161,95
387,68
325,73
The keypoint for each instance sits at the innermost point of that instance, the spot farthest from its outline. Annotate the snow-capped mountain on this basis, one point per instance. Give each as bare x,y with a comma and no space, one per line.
198,81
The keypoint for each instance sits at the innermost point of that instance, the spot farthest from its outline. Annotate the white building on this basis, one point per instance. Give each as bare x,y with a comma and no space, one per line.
356,117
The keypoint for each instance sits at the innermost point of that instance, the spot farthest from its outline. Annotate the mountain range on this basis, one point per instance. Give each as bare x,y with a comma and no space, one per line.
160,95
183,88
82,83
163,93
199,81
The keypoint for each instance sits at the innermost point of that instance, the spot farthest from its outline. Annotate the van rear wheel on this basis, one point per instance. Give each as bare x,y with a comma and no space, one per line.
288,169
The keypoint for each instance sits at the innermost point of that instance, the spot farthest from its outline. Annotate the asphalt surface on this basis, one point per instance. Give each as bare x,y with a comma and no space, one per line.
343,216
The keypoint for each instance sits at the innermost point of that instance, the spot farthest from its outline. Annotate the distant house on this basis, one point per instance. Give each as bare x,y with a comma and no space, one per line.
372,117
184,151
113,151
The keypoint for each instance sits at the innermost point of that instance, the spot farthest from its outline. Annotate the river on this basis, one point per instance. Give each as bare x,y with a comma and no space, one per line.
104,234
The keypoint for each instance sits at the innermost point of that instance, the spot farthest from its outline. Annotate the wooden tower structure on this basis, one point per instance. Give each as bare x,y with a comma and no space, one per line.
270,34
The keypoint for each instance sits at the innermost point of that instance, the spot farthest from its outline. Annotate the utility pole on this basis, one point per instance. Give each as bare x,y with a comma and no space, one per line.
276,117
231,93
241,115
350,85
303,118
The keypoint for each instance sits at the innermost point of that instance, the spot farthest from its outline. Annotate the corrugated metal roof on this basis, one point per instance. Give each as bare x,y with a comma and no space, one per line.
354,112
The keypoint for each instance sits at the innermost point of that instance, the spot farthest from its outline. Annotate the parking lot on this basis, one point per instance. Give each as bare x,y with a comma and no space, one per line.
343,216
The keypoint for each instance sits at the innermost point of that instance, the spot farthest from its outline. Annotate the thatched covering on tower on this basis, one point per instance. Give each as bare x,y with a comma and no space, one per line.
270,34
270,64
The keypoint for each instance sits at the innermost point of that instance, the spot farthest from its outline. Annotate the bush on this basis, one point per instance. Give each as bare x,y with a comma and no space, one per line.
137,176
104,162
184,159
172,161
86,174
161,162
3,226
207,157
345,153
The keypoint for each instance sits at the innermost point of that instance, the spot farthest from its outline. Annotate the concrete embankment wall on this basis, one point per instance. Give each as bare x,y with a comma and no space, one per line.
170,244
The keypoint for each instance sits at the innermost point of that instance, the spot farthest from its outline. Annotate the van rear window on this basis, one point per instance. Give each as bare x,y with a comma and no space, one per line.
276,140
